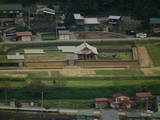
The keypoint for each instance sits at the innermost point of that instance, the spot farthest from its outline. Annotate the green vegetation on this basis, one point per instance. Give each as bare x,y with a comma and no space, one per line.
154,53
128,46
49,36
119,55
120,72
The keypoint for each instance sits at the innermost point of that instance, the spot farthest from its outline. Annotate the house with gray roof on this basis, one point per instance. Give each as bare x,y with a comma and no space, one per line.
83,51
10,10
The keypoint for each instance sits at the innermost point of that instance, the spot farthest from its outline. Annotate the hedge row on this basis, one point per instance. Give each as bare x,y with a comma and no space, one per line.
4,79
82,93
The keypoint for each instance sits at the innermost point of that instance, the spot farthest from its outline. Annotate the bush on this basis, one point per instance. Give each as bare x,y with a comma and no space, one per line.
9,64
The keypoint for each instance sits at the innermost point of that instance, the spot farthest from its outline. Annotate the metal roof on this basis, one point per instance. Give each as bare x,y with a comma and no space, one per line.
78,16
15,57
144,94
79,49
158,98
14,7
91,21
23,33
68,49
114,17
34,51
154,20
46,10
64,32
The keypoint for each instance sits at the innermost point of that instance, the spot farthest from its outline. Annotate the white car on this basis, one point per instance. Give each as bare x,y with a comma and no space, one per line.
141,35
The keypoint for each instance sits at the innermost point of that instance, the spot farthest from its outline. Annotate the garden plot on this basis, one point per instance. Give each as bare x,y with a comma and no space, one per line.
96,35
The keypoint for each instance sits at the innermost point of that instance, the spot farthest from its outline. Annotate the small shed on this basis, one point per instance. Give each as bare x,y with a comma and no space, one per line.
114,20
155,24
64,34
24,36
101,103
15,57
79,19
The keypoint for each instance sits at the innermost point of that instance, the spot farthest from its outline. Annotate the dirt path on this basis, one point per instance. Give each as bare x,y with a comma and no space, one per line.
144,58
151,71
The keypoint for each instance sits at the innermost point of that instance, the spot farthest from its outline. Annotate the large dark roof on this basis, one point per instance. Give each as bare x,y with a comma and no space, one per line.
10,7
154,20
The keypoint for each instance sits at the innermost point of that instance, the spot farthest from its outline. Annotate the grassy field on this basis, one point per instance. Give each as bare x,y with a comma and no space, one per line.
120,72
22,49
153,50
48,36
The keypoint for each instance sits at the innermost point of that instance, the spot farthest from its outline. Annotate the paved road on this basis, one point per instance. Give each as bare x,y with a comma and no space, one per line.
109,114
120,39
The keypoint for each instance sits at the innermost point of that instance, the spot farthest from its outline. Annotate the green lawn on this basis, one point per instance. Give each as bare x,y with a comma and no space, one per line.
44,48
3,59
154,50
48,36
120,72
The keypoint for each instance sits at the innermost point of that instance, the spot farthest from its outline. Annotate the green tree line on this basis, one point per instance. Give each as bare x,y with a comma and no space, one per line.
137,8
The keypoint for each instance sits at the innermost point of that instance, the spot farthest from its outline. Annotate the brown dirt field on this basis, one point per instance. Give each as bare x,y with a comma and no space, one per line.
144,57
77,72
95,35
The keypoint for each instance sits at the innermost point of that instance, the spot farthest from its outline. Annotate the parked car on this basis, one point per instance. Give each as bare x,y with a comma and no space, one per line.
141,35
131,32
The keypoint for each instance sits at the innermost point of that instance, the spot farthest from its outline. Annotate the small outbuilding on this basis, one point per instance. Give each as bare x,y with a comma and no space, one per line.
155,24
101,103
24,36
114,20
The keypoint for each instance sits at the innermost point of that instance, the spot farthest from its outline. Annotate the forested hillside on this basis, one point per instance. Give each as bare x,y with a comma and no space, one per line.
142,9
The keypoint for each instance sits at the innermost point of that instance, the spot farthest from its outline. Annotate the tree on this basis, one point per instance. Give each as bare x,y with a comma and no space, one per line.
35,88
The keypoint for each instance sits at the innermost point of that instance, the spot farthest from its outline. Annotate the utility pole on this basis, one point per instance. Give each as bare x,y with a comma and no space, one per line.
29,22
42,98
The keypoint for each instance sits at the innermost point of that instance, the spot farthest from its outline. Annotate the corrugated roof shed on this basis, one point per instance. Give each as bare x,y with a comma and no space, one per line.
14,7
154,20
